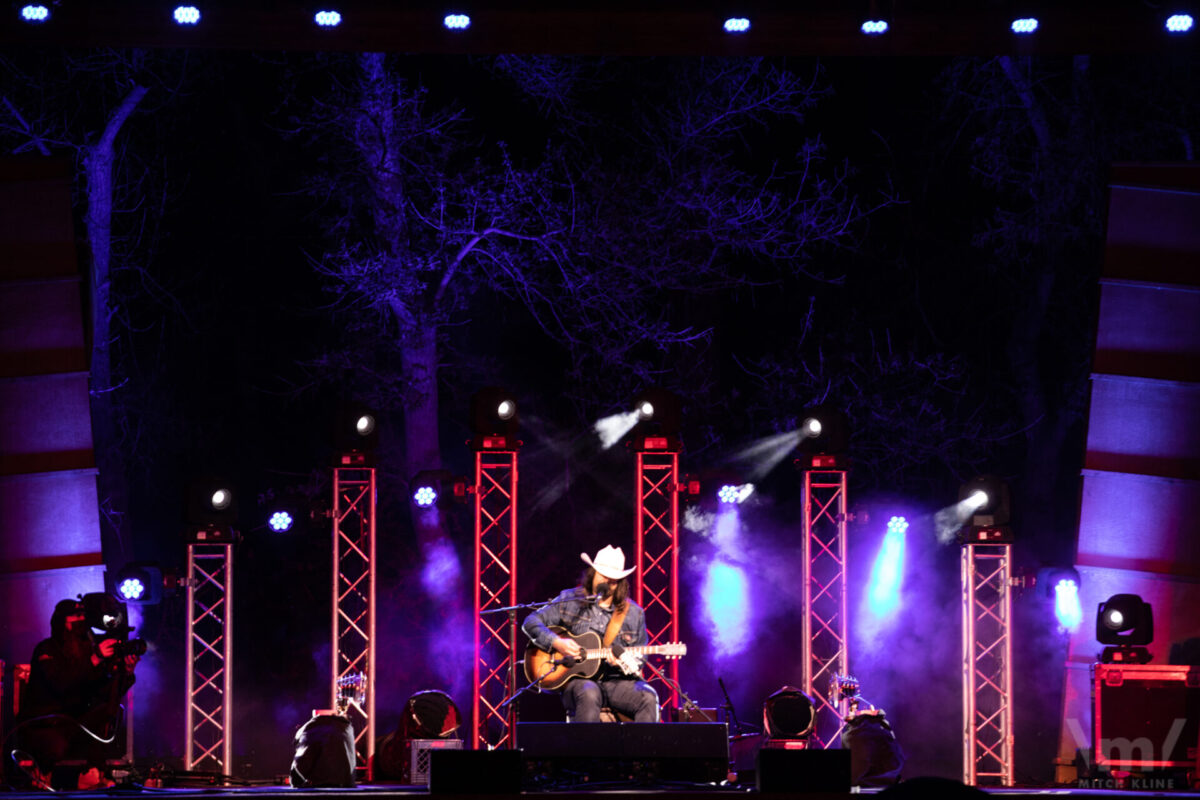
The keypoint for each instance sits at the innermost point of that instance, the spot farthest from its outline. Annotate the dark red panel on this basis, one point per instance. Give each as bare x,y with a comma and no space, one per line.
41,328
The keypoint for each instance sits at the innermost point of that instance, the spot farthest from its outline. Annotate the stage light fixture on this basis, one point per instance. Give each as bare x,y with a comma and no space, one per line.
211,501
658,422
1125,622
355,433
33,13
431,485
138,583
457,22
429,715
1024,25
737,25
494,419
187,15
735,494
327,19
1124,619
824,437
1179,23
221,499
789,714
281,521
875,27
986,499
1066,604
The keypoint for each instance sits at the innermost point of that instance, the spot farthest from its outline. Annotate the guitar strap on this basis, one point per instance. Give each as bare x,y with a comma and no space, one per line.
614,626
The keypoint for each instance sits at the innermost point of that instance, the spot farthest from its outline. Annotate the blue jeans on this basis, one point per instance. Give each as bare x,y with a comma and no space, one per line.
583,699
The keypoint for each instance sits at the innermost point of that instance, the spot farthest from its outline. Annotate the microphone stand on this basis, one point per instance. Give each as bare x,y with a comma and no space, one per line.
688,703
514,693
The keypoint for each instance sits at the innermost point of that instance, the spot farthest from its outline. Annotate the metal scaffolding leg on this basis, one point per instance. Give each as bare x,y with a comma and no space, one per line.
987,664
656,582
495,673
209,743
824,581
354,599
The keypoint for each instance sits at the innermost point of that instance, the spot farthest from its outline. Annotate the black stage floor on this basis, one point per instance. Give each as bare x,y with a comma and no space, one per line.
389,791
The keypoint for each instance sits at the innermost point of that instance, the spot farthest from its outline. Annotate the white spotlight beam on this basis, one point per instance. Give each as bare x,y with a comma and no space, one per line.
612,429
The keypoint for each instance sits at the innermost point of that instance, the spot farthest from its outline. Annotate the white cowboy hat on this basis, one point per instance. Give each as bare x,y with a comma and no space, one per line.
610,562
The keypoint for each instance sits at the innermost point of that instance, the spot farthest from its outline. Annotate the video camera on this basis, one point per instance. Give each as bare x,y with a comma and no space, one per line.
109,616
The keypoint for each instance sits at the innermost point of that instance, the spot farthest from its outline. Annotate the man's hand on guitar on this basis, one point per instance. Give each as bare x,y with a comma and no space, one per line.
568,647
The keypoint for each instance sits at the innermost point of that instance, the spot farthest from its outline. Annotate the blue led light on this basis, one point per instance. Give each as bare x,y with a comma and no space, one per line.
131,589
1024,25
280,521
1180,23
35,13
425,496
187,15
874,27
737,25
1066,604
328,19
727,494
457,22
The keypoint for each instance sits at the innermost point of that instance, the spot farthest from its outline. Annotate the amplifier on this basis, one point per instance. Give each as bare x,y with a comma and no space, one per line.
1145,715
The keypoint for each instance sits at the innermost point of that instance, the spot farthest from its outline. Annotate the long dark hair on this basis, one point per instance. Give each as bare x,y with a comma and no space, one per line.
620,588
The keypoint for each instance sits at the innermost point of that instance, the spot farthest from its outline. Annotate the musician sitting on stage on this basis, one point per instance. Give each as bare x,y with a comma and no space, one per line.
619,622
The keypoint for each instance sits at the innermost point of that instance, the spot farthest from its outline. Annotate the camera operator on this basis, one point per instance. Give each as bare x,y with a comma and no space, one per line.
72,705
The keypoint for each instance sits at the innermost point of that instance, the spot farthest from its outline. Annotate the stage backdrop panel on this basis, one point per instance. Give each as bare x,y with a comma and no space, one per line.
50,545
1139,531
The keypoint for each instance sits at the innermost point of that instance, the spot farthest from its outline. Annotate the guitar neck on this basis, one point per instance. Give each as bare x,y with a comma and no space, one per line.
640,650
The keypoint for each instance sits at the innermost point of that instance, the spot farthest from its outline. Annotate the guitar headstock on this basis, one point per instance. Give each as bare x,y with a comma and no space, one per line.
673,650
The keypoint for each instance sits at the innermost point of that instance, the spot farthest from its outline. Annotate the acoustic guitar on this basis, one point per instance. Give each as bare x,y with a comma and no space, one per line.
552,670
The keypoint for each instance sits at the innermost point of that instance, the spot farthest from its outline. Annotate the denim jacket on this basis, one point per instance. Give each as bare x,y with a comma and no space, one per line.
571,611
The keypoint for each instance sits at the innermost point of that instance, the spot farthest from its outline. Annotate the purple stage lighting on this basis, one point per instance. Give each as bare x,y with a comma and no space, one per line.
328,19
1024,25
457,22
1180,23
280,522
1066,604
187,15
737,25
888,572
874,27
131,589
35,13
425,496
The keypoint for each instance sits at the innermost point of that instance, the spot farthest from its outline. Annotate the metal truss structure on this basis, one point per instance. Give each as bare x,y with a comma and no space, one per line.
495,673
656,582
824,580
354,599
209,741
987,664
